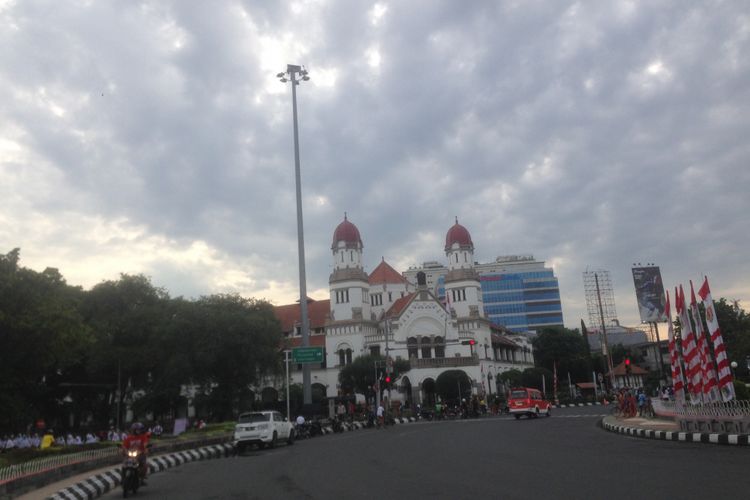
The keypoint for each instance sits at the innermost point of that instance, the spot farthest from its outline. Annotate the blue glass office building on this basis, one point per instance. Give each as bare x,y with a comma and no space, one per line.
518,292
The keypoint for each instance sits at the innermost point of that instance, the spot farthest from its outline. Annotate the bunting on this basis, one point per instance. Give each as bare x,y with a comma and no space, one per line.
674,357
726,386
690,351
708,369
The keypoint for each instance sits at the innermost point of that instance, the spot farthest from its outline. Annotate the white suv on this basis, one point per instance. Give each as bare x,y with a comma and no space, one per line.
262,428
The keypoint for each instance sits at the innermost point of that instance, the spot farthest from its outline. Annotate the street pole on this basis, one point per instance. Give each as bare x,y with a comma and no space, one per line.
119,394
295,73
658,349
286,360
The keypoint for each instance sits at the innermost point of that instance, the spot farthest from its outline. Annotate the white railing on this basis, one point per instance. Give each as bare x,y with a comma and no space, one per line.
730,409
38,465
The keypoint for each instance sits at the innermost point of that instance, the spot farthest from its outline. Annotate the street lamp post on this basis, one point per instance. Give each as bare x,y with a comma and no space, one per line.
733,365
295,74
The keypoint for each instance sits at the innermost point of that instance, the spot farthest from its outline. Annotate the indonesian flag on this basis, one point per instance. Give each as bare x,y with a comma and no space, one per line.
708,369
726,386
674,357
690,351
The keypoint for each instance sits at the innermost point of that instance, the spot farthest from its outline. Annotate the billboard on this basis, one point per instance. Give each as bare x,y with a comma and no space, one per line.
649,290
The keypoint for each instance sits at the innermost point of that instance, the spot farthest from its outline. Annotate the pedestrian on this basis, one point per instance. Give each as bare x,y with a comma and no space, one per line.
381,416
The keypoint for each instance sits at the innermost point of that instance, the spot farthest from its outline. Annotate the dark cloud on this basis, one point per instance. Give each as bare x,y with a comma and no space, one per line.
587,134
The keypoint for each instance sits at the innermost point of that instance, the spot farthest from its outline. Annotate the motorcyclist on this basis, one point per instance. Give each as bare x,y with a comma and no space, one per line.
138,438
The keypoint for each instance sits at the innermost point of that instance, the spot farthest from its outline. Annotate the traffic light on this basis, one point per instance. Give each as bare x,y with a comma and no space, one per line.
388,380
468,342
627,366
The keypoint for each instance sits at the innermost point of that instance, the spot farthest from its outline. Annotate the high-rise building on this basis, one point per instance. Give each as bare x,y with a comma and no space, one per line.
517,291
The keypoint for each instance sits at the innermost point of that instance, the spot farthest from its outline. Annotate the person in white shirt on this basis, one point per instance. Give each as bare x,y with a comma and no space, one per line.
381,414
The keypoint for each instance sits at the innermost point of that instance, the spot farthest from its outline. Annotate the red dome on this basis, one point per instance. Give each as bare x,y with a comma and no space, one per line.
458,234
348,233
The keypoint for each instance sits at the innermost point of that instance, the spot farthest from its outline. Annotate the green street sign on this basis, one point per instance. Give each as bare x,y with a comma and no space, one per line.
302,355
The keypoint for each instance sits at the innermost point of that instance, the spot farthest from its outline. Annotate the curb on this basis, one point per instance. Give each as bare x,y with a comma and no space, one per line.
99,484
362,425
688,437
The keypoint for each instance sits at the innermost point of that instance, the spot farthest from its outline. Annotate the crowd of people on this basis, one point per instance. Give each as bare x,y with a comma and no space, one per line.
49,438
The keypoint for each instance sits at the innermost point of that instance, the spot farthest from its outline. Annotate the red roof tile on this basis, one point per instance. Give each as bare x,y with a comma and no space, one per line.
289,314
400,304
384,273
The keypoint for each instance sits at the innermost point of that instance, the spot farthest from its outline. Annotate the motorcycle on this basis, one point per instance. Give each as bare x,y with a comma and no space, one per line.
130,472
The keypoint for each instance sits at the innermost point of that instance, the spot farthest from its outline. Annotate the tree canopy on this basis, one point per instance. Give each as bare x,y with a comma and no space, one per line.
61,347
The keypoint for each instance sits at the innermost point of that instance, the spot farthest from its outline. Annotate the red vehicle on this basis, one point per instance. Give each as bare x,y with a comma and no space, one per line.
528,401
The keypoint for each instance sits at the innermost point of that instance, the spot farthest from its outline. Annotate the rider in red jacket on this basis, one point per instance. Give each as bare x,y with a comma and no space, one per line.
138,438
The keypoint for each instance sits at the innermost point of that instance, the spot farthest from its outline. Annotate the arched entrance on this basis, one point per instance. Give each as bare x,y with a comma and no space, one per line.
318,392
405,389
453,386
428,392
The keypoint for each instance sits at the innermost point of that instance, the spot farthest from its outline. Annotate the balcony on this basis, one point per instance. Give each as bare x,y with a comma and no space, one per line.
444,362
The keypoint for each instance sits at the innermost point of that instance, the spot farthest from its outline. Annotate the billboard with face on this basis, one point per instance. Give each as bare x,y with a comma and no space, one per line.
649,290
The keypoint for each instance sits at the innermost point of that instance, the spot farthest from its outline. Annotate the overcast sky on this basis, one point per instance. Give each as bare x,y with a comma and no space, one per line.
154,138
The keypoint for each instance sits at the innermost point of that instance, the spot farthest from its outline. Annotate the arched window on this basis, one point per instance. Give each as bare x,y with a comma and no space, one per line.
411,346
426,348
456,257
439,347
348,356
342,357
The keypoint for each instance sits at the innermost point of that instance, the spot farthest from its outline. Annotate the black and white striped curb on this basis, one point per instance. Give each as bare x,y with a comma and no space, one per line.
99,484
690,437
353,426
575,405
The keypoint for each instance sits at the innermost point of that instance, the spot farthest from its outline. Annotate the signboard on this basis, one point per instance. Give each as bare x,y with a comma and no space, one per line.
649,290
304,355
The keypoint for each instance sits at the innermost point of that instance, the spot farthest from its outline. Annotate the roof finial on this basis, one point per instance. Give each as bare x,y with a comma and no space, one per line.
344,215
456,219
382,258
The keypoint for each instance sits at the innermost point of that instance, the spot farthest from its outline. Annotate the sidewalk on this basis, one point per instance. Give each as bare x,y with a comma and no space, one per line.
668,430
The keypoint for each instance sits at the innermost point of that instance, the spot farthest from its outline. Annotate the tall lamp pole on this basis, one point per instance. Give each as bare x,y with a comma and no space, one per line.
295,74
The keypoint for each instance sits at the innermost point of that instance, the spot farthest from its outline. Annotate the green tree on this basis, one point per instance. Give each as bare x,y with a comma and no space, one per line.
538,378
42,338
567,348
359,375
511,378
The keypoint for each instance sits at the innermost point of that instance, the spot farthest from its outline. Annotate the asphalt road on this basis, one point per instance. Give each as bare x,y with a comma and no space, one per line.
565,456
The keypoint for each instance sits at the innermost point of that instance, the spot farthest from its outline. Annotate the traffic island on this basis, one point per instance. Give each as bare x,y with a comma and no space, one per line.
669,431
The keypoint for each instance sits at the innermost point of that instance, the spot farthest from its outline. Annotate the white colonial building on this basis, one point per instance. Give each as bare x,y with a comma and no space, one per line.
384,313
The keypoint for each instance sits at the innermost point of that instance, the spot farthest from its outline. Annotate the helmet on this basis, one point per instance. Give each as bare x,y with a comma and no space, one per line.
136,428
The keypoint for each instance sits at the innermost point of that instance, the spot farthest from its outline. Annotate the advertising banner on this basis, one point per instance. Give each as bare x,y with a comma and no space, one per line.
649,290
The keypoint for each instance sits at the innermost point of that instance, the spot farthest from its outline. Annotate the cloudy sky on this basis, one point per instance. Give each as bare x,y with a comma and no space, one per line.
154,137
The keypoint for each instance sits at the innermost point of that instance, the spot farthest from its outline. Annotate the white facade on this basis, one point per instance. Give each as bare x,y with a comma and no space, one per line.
364,310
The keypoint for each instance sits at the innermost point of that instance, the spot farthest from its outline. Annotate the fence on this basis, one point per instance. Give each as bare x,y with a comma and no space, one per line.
731,417
38,465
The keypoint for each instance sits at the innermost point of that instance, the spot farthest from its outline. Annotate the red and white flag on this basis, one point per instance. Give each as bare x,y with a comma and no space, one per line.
708,369
690,351
678,382
726,386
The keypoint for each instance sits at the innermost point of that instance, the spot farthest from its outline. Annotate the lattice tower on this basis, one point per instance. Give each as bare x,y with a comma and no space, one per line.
606,292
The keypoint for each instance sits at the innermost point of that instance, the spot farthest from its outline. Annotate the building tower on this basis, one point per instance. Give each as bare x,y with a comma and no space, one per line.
605,296
348,283
462,285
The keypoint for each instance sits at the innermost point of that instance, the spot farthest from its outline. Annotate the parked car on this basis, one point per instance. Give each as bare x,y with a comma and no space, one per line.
529,402
262,428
